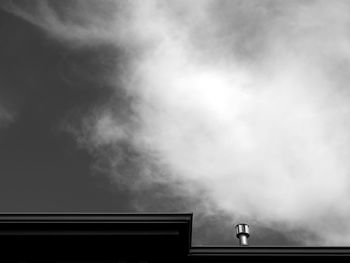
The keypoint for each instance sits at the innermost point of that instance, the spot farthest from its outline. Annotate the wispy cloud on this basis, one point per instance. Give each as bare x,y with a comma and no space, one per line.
243,102
6,117
7,111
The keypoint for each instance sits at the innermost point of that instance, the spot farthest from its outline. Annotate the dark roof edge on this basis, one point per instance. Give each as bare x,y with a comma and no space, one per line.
122,217
268,251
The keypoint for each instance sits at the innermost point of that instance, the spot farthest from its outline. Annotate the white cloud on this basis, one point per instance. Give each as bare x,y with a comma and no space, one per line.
247,100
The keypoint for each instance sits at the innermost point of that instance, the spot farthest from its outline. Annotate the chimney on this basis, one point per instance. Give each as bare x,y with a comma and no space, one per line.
242,232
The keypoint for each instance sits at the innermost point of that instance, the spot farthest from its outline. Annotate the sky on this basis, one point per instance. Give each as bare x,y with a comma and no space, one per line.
237,111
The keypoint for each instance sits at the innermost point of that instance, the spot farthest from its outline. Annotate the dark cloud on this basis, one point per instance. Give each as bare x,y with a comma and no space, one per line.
48,85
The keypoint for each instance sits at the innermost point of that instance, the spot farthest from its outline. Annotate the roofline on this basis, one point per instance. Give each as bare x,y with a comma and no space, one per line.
185,219
225,251
97,216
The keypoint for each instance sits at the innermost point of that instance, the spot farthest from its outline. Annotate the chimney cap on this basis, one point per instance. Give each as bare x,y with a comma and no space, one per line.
242,229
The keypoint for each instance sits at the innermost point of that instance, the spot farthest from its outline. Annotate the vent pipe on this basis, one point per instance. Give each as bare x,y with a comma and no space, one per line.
242,233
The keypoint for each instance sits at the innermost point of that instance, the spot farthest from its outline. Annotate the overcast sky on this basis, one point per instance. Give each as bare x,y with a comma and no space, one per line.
233,110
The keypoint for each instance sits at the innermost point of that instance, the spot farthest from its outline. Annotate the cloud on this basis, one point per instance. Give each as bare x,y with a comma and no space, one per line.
244,103
7,110
6,117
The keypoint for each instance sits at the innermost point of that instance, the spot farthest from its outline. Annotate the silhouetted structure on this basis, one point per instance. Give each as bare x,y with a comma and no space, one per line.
126,238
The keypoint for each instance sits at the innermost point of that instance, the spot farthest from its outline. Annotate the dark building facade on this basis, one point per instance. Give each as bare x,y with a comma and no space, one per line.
128,238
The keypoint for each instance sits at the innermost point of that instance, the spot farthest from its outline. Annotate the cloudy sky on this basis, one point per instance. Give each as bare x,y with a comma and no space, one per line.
237,111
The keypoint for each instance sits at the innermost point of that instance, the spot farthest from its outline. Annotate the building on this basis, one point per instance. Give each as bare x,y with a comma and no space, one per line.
127,238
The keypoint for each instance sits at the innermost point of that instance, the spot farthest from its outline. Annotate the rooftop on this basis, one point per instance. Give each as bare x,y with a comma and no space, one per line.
142,236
